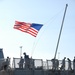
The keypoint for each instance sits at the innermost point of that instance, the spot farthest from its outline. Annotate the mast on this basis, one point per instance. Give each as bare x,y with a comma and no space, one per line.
60,31
20,51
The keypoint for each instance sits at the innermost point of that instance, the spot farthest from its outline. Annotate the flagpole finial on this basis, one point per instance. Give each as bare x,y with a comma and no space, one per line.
66,4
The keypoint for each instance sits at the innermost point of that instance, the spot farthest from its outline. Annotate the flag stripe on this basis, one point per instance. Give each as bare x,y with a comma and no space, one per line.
28,27
32,31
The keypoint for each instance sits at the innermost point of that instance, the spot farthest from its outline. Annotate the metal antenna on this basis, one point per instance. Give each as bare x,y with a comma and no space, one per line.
20,51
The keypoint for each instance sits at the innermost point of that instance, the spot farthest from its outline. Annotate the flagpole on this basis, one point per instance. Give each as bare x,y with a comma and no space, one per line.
60,31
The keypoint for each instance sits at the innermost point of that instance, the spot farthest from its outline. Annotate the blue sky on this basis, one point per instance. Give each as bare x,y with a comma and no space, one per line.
46,12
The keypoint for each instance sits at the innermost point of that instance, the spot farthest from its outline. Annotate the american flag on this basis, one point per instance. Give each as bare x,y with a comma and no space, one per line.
31,28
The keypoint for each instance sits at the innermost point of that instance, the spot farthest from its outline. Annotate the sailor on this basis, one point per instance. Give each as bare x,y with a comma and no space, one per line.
31,63
5,63
57,64
53,64
26,60
69,64
63,64
74,64
8,61
21,62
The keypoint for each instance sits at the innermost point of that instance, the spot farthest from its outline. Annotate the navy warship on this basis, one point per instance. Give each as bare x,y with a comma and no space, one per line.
30,66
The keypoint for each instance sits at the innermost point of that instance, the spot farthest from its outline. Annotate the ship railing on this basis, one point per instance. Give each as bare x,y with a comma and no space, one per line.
39,64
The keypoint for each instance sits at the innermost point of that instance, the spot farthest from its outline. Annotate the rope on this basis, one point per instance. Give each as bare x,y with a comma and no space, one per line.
49,21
